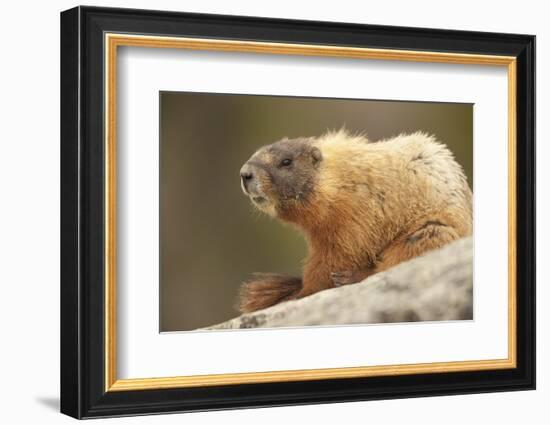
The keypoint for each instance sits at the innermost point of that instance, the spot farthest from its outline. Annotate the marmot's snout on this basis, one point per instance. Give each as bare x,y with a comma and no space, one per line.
247,174
251,183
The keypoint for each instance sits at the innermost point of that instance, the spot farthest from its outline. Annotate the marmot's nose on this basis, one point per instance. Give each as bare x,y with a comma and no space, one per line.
246,175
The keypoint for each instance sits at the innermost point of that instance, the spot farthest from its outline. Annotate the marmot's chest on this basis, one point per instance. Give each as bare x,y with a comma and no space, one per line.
344,258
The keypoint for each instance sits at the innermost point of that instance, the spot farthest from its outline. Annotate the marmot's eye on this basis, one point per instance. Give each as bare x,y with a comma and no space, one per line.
286,162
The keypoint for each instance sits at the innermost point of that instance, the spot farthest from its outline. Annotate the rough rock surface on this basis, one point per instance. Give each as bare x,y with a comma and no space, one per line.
435,286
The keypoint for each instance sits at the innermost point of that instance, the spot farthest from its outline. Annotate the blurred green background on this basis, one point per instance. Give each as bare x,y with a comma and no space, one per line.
211,238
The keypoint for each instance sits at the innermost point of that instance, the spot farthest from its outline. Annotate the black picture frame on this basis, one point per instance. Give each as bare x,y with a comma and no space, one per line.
83,392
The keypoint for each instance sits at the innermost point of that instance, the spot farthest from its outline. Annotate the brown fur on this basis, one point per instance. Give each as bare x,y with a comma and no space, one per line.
267,289
364,207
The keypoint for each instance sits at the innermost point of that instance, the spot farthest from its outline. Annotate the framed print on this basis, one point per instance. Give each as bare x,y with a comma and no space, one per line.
261,212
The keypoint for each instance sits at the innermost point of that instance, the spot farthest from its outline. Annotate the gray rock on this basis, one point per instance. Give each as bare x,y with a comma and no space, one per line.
433,287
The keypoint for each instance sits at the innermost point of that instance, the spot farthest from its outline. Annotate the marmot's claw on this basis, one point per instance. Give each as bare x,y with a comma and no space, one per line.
342,278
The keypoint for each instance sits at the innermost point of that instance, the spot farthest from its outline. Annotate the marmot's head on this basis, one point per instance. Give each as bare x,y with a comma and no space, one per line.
281,176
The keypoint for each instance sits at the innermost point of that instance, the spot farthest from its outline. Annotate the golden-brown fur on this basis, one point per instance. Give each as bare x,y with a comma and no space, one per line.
267,289
367,206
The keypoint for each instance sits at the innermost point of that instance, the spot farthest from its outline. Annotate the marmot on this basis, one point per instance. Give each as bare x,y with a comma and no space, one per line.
363,206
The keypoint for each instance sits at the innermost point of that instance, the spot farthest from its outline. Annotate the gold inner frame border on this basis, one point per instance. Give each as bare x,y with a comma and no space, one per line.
112,41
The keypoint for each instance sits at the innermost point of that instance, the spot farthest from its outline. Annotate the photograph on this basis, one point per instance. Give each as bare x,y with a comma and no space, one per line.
280,211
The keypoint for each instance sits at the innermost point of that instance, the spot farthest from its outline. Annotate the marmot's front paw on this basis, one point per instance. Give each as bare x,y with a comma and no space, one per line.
342,278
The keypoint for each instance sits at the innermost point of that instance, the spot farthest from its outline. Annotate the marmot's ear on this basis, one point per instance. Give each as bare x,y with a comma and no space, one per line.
316,155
